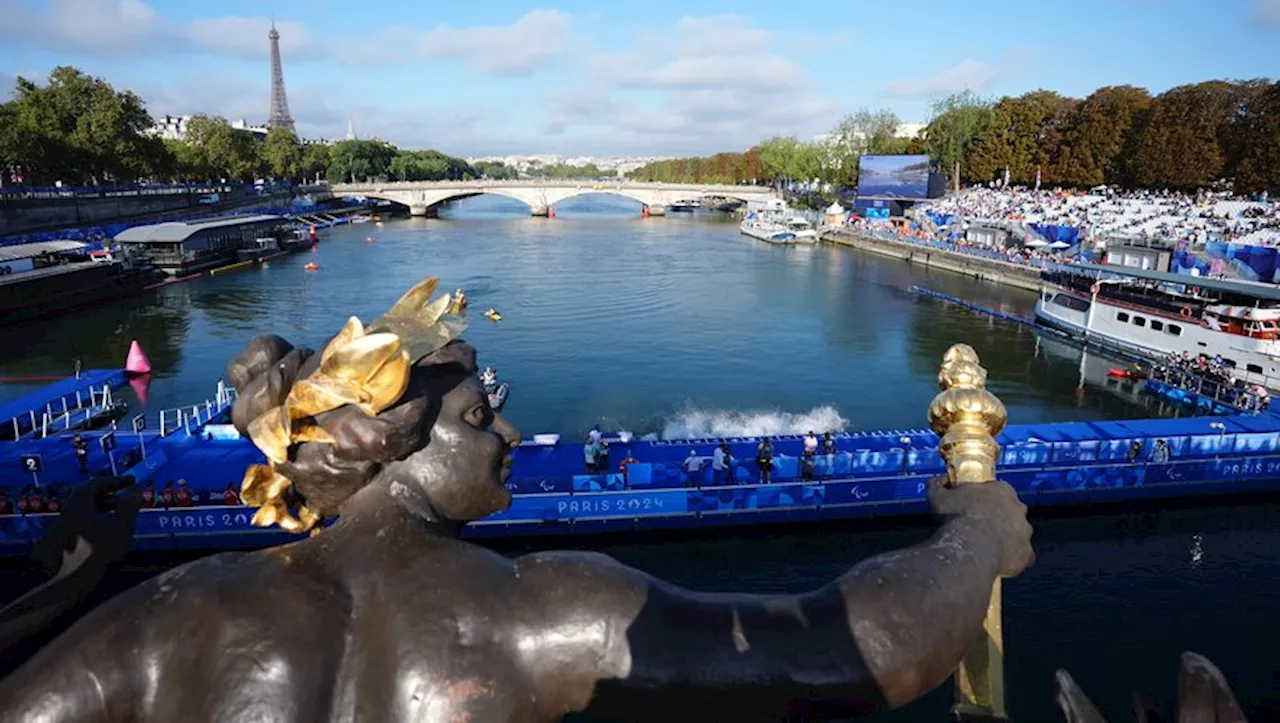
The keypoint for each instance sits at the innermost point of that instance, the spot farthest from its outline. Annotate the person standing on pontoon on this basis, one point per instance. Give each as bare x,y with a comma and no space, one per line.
489,378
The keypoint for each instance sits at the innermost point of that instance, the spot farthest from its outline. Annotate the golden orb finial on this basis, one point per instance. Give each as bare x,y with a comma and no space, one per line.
966,417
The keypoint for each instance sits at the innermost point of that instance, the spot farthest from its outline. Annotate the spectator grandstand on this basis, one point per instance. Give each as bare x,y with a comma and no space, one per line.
1106,213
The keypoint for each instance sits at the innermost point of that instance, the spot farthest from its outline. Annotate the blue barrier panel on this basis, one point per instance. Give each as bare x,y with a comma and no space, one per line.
605,504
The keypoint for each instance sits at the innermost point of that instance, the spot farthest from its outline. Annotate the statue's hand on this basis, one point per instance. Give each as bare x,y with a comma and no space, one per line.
997,505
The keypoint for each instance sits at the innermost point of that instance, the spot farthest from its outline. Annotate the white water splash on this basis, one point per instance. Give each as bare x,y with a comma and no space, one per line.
704,424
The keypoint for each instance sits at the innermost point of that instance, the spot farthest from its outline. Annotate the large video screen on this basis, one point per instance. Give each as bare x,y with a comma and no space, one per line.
893,177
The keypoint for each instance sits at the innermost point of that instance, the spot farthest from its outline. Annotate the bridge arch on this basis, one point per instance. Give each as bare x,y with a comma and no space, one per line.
540,196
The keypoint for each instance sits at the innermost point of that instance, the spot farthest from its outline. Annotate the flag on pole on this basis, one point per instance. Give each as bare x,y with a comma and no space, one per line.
1006,176
1037,178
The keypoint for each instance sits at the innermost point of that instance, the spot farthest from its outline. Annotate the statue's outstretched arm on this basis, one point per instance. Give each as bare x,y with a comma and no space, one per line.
883,634
80,545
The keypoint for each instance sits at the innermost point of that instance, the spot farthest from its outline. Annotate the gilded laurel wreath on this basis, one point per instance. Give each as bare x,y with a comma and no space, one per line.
367,367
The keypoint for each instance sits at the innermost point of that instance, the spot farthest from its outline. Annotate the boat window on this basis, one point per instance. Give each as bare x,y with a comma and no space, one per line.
1173,329
1139,321
1257,368
1200,343
1157,325
1071,302
1121,316
1230,363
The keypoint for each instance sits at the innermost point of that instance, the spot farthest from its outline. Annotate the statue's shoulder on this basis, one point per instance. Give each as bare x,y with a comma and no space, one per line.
579,577
230,587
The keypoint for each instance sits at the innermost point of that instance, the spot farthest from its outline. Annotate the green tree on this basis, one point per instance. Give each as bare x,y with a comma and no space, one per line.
1022,134
806,163
79,129
862,132
957,120
776,158
222,151
1186,140
282,154
1259,166
315,161
189,162
358,161
495,170
1097,135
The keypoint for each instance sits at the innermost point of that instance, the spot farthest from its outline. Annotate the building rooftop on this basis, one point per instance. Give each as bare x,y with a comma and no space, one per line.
179,231
1268,292
26,251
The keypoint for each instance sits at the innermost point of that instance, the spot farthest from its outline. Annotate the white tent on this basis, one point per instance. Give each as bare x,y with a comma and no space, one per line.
1036,243
1059,245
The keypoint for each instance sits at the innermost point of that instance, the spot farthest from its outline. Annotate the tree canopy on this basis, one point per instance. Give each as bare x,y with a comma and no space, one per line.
1186,138
831,159
79,130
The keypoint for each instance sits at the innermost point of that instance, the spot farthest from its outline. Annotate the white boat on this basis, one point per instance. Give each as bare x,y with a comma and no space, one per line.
261,247
1154,313
773,222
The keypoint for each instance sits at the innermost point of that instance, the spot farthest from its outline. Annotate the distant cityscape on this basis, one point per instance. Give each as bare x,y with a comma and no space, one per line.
530,163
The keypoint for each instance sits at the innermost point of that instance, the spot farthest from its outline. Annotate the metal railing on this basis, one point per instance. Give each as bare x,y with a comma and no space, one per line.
190,418
53,420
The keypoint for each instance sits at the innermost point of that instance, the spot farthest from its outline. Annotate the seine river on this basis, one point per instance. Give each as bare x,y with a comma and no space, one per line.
678,327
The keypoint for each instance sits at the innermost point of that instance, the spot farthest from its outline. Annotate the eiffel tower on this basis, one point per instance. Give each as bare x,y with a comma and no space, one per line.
279,117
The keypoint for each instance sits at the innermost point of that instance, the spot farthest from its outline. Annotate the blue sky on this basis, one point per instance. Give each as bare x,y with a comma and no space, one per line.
624,78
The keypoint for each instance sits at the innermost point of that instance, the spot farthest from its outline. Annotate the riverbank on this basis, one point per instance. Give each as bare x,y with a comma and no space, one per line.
1000,272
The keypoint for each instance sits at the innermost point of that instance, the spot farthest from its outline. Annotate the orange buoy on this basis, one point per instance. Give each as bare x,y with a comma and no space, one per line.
313,266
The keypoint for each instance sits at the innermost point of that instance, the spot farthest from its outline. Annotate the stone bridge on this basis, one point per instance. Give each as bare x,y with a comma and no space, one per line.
423,197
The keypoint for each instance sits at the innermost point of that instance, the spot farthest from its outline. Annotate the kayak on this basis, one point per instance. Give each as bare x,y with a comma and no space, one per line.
1126,373
498,397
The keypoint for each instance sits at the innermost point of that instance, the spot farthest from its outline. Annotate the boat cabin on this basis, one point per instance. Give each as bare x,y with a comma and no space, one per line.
185,247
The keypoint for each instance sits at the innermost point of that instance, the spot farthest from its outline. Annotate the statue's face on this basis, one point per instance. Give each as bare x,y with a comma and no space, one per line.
464,467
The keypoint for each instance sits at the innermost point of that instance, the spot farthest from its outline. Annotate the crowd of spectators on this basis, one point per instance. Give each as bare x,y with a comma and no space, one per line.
918,233
1155,215
173,494
1212,378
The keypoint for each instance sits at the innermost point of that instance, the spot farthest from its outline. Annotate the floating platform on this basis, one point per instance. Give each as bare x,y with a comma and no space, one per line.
872,474
22,416
1188,398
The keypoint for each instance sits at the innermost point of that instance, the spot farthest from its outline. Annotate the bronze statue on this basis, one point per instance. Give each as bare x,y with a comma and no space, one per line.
1203,697
77,549
386,616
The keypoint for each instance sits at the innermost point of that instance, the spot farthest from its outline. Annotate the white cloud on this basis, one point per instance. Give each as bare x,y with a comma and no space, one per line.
119,28
515,49
708,84
1266,12
247,37
967,74
702,53
698,85
103,27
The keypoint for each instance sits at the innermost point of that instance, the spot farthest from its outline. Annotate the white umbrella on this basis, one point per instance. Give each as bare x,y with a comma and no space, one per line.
1036,243
1059,245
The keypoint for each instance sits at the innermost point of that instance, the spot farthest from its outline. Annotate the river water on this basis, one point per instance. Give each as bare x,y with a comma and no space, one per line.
678,327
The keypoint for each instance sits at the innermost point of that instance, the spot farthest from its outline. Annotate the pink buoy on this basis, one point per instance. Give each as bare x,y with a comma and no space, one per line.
137,362
141,386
